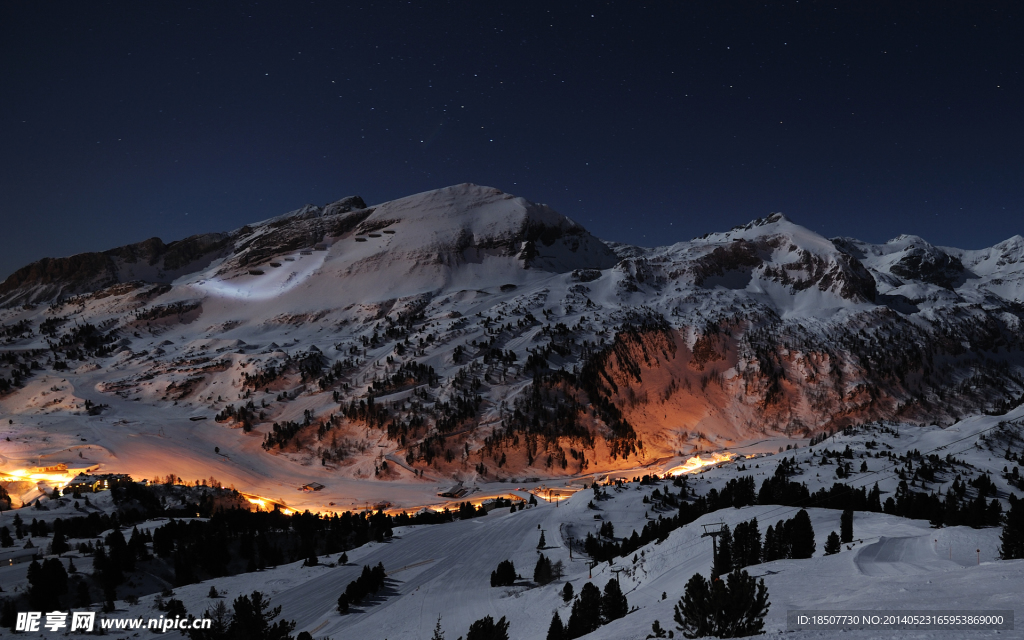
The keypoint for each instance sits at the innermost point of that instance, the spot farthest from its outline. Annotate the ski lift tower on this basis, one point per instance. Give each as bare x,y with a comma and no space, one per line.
713,530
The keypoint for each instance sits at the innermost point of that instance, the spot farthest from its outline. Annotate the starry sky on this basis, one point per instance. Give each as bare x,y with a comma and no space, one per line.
647,122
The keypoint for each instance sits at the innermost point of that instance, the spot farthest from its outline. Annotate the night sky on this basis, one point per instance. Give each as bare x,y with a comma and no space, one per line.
647,123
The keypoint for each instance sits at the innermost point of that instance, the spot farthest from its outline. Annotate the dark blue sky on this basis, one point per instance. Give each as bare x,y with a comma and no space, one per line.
648,123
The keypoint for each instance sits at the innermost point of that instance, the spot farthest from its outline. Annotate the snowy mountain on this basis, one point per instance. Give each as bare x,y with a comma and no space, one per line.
466,335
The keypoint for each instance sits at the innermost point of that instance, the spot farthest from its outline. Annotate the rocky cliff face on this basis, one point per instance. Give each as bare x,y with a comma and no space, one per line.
474,333
150,261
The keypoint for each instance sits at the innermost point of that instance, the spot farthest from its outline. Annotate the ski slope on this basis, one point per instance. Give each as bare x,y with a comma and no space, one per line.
892,564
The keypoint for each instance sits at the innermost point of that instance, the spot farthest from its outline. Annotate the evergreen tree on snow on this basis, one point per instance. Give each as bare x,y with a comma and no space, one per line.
438,633
613,603
504,575
253,620
723,554
746,544
730,608
801,535
771,545
567,592
586,612
542,573
1013,531
487,629
556,631
832,544
846,526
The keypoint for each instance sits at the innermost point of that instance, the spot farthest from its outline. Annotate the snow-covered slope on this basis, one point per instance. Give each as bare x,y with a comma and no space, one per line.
891,564
468,335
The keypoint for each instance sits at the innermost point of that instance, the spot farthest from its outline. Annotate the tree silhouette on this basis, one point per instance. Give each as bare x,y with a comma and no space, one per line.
252,620
59,544
504,575
846,526
801,535
613,603
723,553
542,573
47,582
832,544
1013,531
567,592
438,633
586,612
555,630
487,629
732,608
746,544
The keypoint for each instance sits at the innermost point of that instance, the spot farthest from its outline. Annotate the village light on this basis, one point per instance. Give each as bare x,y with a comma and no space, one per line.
696,463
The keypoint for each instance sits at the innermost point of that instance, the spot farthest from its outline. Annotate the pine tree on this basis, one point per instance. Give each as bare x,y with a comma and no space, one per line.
747,605
746,544
771,546
730,608
586,612
252,620
567,593
846,526
137,544
82,596
694,614
183,573
723,554
47,581
438,633
542,544
487,629
542,573
119,553
504,575
800,535
219,623
753,545
613,603
555,630
8,614
175,608
875,499
1013,531
832,544
59,545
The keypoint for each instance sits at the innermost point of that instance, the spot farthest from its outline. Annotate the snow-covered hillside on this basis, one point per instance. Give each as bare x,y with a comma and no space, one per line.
464,335
892,563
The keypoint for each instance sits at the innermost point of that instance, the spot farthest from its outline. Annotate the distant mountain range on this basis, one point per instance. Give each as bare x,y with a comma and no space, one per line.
471,333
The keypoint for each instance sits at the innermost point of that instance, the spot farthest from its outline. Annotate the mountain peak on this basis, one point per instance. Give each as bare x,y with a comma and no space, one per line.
773,218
